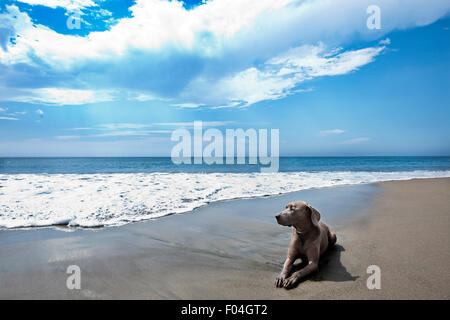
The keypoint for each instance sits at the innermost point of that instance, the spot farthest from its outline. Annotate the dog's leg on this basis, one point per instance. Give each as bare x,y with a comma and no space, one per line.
313,255
296,276
331,238
330,235
292,255
287,268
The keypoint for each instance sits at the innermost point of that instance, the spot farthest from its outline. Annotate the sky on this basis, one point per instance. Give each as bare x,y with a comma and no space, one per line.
115,78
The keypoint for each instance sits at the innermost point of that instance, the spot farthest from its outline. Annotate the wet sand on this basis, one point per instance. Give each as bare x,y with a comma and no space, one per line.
234,250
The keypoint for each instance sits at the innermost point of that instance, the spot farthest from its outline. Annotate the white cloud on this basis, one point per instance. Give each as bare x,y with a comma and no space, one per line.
355,141
312,61
386,41
329,132
229,105
191,124
107,130
56,96
143,97
40,112
11,115
127,128
131,133
235,33
154,24
8,118
280,76
115,126
116,133
188,105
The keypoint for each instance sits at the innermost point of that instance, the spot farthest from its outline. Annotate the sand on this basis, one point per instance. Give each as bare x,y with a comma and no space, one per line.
234,250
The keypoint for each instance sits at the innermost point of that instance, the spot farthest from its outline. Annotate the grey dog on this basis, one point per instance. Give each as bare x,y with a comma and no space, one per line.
310,239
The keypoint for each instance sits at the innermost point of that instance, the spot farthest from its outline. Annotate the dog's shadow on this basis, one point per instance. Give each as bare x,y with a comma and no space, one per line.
330,267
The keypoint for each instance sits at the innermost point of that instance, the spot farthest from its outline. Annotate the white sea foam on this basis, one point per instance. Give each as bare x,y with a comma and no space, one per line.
90,200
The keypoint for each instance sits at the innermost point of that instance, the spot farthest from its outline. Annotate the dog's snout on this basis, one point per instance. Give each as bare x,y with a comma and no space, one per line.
277,216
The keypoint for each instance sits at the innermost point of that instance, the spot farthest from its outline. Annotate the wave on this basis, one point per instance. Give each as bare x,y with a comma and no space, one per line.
96,200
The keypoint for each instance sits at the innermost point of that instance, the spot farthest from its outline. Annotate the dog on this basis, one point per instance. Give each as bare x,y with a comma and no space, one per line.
310,239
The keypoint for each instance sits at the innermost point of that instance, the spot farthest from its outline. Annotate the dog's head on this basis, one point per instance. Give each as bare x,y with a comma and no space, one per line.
299,214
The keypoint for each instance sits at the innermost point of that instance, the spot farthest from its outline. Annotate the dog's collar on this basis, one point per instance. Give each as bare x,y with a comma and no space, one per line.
300,236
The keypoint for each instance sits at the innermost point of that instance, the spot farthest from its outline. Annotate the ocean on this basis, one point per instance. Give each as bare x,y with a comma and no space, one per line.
102,192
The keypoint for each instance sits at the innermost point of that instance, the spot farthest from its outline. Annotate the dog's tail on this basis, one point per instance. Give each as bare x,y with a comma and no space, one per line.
331,238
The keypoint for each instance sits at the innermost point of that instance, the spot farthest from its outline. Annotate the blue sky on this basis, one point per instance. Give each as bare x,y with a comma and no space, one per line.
137,70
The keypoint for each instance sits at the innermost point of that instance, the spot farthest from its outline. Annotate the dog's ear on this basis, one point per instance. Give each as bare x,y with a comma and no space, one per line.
315,216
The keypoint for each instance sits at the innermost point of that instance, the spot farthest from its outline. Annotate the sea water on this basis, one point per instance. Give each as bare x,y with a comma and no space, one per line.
93,192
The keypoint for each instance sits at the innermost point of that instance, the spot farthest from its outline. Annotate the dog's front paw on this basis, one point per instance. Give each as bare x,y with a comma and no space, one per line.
279,281
290,282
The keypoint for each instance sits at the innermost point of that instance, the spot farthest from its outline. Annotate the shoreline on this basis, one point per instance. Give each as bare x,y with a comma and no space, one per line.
66,228
234,249
93,201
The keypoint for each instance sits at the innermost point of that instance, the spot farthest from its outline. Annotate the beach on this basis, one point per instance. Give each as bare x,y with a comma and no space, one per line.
234,250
